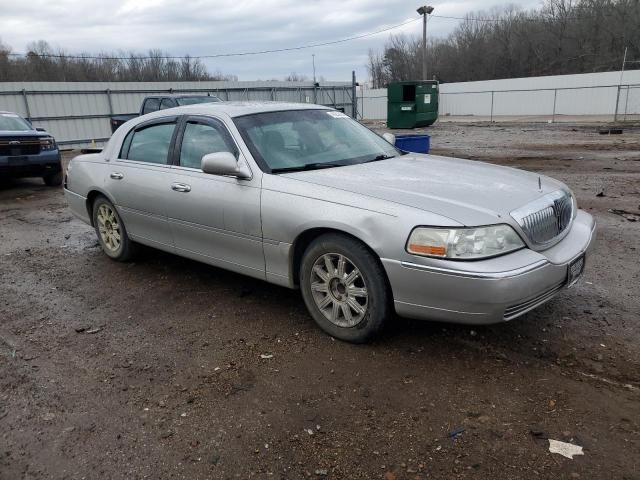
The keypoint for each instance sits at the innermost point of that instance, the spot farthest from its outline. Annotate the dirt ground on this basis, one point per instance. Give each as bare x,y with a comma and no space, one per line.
155,369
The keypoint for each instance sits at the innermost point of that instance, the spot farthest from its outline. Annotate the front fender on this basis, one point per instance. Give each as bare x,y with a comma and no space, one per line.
285,217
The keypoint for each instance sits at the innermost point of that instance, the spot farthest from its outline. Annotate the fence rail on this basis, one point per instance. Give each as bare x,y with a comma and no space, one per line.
80,116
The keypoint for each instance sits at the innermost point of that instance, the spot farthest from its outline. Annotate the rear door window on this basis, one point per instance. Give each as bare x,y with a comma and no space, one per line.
149,144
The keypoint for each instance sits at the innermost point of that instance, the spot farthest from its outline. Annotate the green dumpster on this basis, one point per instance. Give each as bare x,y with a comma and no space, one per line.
412,104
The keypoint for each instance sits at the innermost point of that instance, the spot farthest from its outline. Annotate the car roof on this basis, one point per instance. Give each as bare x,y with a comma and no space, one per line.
229,109
181,95
238,109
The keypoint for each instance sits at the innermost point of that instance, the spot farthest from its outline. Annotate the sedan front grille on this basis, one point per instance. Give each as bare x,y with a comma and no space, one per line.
546,219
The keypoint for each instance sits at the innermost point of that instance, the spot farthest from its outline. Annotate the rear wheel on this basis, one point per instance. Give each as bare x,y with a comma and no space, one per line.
53,179
111,231
344,288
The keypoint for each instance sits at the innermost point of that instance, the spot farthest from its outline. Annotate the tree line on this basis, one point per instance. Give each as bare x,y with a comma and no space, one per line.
562,37
44,63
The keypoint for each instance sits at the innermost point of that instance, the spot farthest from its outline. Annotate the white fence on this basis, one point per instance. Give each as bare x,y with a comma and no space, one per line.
77,113
600,96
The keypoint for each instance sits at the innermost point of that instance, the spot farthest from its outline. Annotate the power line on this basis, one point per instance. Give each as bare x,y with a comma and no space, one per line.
471,19
276,50
218,55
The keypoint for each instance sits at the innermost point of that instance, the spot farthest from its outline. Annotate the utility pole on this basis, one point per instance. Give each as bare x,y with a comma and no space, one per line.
424,11
354,95
315,84
313,59
624,61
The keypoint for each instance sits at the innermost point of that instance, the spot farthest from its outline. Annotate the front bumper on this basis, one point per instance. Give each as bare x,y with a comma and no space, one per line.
40,165
488,291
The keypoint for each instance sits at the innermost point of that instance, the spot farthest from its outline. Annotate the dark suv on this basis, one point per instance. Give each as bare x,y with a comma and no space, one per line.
26,151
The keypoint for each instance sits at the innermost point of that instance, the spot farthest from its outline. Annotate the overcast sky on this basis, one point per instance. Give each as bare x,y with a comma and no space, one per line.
201,27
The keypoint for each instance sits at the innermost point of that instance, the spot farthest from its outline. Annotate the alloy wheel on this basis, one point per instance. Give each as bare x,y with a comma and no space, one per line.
109,228
339,290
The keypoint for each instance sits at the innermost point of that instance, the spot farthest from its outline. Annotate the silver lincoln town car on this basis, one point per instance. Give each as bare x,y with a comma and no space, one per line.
305,197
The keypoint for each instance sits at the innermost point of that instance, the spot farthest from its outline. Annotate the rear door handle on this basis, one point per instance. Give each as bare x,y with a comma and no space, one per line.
117,175
181,187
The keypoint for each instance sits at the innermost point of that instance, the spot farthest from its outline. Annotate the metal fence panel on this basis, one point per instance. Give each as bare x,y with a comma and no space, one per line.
373,104
14,103
78,113
629,103
67,131
461,104
537,102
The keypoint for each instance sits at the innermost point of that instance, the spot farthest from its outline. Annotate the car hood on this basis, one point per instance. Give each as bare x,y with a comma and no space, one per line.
469,192
22,133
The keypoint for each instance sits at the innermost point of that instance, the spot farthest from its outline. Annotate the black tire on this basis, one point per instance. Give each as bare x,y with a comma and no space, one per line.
53,179
378,304
127,249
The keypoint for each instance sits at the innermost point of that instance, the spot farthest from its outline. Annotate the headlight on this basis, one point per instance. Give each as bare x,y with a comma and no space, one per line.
47,143
464,243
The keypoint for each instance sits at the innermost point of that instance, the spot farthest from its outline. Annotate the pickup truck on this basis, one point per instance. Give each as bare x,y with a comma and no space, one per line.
160,102
26,151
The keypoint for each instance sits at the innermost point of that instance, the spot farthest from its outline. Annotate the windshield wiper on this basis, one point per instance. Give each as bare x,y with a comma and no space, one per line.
380,157
308,166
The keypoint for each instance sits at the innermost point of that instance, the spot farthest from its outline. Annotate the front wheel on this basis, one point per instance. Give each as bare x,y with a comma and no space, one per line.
53,179
111,232
344,288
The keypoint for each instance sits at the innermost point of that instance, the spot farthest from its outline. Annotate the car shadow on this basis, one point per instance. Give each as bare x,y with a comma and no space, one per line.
287,304
23,185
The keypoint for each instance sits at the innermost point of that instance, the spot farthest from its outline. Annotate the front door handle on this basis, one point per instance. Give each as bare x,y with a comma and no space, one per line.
117,175
181,187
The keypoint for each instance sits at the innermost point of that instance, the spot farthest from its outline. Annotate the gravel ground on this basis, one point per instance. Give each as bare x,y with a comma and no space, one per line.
166,368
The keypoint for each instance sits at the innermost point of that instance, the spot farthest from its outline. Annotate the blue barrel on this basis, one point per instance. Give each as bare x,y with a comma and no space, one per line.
414,143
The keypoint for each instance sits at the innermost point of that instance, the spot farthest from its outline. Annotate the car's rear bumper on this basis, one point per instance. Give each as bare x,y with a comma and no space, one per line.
77,205
40,165
476,293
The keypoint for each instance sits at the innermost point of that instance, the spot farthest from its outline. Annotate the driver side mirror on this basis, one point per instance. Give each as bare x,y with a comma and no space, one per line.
224,163
40,129
389,137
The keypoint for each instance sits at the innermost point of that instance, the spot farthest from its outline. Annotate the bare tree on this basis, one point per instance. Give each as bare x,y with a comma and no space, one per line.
562,37
43,63
295,77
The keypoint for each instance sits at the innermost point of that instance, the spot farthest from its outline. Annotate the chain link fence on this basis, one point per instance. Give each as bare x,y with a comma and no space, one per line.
604,103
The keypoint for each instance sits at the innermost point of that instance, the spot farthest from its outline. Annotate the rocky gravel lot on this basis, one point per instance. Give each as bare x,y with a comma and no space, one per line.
166,368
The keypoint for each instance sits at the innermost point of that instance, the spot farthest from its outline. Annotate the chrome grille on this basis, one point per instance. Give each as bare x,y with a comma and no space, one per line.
547,218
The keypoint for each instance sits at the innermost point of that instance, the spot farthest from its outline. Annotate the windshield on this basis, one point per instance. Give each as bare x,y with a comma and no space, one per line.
197,99
14,123
308,139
